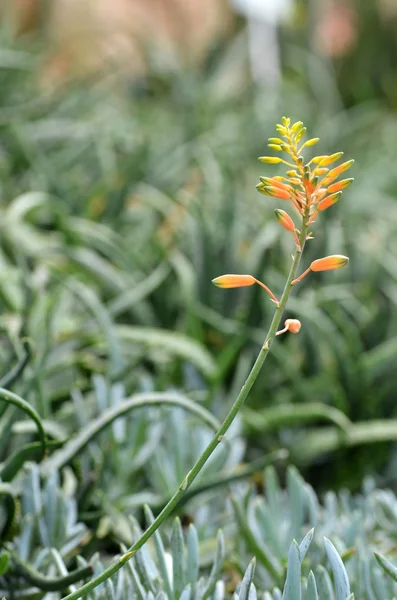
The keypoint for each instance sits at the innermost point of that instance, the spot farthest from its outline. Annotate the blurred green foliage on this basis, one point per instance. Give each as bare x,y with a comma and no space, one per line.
120,200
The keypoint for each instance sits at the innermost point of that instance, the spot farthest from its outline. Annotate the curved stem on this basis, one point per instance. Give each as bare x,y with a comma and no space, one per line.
218,437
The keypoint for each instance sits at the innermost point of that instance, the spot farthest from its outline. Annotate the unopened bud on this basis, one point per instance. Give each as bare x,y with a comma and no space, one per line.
334,173
340,185
296,126
286,121
329,263
312,141
330,159
275,141
270,160
284,219
293,325
275,147
277,192
300,134
234,281
329,201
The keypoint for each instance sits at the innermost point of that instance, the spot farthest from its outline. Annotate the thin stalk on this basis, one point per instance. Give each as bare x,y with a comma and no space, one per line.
219,435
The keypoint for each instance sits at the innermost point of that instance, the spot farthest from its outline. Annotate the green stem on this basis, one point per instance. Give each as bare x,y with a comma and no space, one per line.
218,437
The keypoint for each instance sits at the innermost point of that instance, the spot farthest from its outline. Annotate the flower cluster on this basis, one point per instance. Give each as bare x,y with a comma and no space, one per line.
310,187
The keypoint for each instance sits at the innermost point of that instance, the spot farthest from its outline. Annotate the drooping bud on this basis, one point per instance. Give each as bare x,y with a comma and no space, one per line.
329,263
330,159
293,325
234,281
329,201
284,219
270,160
340,185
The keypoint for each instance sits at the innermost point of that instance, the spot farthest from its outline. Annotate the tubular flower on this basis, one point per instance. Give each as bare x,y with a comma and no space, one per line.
236,281
329,263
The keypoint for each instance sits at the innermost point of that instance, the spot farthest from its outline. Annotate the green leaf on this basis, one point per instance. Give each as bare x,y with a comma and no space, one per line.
386,565
178,558
12,398
245,587
311,587
216,567
342,586
160,553
77,443
292,588
4,560
304,545
170,342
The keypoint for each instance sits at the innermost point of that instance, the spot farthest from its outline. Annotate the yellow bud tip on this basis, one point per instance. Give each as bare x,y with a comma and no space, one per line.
234,281
293,325
329,263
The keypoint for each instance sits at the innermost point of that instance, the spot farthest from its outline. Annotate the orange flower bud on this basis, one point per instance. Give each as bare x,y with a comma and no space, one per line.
334,173
340,185
270,160
329,263
329,201
330,159
293,325
284,219
277,192
234,281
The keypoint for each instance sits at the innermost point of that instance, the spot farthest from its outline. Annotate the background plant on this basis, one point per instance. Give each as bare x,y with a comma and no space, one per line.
119,205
